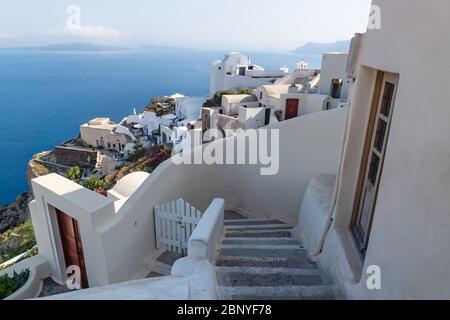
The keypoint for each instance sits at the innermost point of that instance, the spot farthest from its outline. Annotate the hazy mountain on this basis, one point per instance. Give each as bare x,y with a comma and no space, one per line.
321,48
74,46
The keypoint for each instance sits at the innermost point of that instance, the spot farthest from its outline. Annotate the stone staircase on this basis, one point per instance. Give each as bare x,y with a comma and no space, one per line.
160,264
259,260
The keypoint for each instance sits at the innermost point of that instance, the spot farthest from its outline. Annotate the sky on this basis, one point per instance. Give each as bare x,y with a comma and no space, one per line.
202,24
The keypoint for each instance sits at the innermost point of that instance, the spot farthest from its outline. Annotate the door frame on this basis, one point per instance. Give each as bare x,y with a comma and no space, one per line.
286,108
362,238
267,116
79,244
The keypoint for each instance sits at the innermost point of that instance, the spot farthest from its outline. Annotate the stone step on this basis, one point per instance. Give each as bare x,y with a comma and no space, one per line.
258,234
293,262
270,270
255,227
320,292
261,246
259,260
158,267
232,215
264,253
232,279
261,241
238,222
162,263
269,277
154,274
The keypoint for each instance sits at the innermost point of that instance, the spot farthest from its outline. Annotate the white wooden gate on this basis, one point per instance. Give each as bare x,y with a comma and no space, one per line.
174,223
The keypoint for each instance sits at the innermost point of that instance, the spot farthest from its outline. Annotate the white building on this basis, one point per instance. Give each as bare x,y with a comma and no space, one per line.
240,111
369,192
306,91
333,79
232,103
103,133
169,128
289,101
148,120
236,71
188,108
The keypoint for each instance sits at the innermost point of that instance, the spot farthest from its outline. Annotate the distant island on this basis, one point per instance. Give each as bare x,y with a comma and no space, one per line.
74,46
321,48
92,47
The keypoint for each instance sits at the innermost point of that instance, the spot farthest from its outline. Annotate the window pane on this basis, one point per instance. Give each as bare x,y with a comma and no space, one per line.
373,169
387,99
380,134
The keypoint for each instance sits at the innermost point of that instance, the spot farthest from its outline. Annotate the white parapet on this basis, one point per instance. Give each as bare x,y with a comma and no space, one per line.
203,241
314,210
39,269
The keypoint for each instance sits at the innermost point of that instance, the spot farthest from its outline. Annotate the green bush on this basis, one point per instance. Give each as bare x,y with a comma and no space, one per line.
9,285
95,184
74,173
137,153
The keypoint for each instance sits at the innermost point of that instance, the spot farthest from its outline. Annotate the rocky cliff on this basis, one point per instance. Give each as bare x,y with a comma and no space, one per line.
15,213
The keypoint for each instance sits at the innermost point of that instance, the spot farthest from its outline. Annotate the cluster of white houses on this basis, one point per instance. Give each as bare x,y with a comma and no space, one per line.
276,96
367,185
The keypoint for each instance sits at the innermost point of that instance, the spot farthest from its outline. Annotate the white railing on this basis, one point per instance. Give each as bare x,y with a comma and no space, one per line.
174,224
204,239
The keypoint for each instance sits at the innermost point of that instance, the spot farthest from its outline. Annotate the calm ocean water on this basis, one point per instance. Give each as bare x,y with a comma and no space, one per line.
45,96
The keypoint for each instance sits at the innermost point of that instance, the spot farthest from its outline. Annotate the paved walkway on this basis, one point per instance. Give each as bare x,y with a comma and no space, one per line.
259,259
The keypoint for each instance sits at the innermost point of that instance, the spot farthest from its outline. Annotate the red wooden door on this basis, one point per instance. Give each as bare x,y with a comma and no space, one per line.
291,108
71,243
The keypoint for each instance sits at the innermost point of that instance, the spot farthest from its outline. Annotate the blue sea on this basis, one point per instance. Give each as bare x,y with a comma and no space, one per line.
45,96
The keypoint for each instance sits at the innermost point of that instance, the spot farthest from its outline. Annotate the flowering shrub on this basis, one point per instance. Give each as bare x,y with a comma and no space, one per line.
103,192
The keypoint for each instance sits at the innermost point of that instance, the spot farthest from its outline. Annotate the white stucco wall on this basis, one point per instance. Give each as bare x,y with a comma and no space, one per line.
93,135
410,232
232,103
189,108
334,67
220,80
252,117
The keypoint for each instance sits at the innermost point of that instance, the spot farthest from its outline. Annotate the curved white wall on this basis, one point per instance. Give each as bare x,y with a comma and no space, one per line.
309,145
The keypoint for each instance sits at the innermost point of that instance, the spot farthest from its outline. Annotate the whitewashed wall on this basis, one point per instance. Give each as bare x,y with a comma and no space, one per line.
410,232
334,67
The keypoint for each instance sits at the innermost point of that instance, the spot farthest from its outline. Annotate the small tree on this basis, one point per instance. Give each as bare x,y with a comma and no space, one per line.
95,184
137,153
74,173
